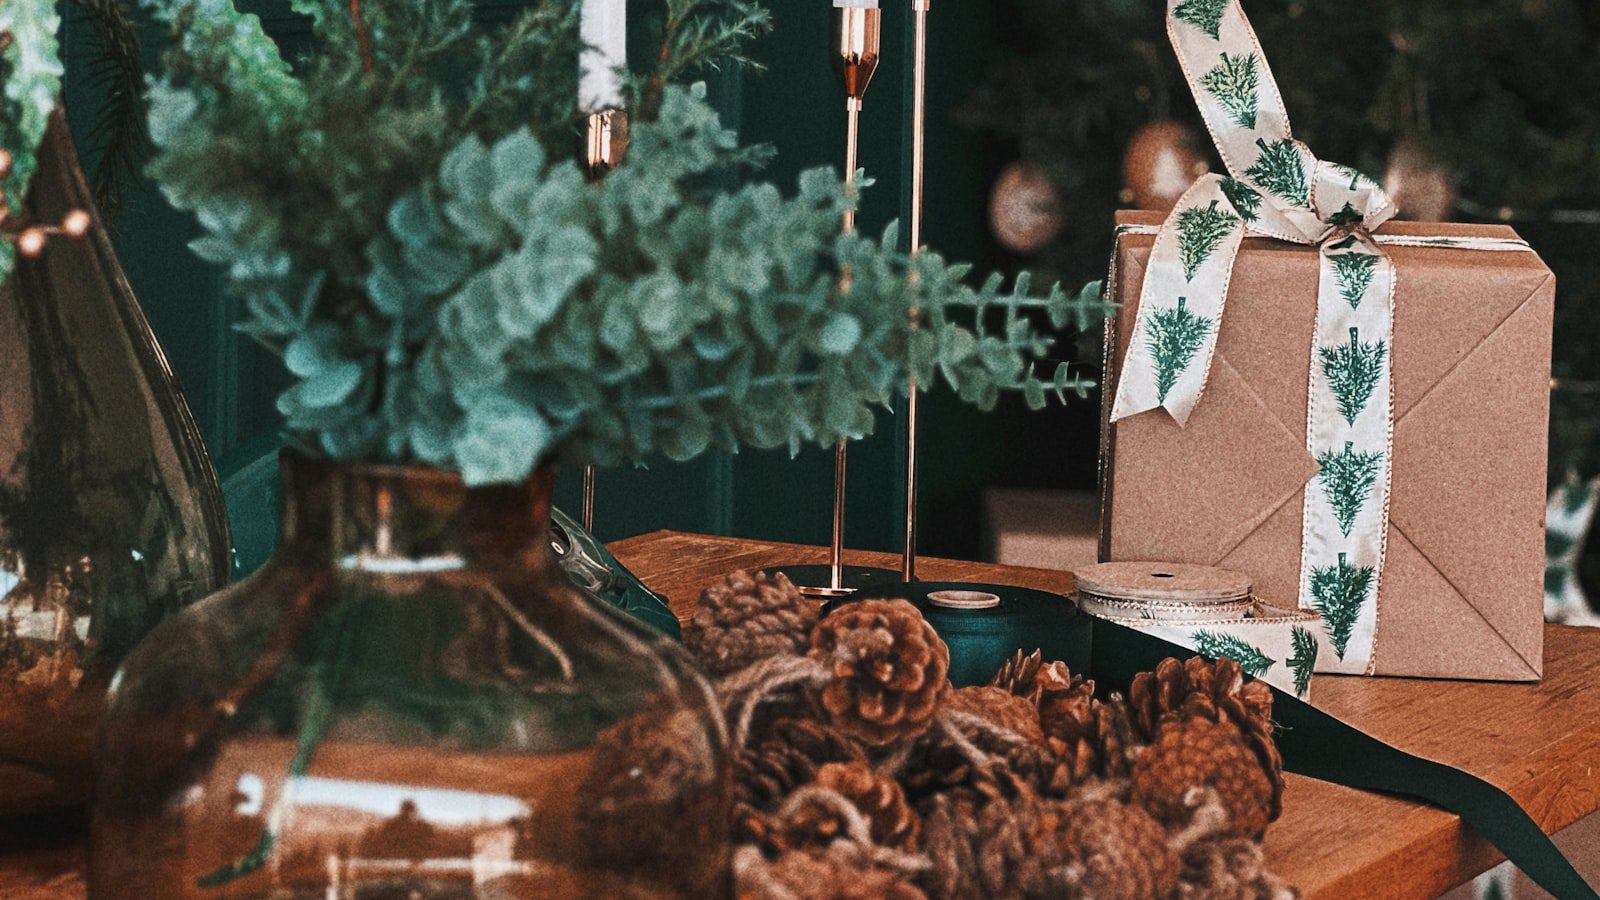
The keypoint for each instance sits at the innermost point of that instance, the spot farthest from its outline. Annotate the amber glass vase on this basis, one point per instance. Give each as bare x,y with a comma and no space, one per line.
409,700
110,517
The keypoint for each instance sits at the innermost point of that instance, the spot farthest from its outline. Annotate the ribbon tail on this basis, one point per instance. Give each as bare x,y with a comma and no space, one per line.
1174,340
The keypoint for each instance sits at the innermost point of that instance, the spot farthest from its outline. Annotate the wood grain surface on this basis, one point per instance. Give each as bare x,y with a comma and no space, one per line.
1540,742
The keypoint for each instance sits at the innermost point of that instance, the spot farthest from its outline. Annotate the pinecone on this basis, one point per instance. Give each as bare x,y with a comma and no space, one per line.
1093,738
1230,869
1112,849
891,822
839,873
1002,726
979,837
889,670
746,618
789,757
1170,687
1195,751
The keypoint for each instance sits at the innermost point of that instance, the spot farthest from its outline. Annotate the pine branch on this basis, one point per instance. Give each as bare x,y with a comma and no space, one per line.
1353,371
119,125
1347,478
1304,659
1245,199
1233,82
1281,169
1176,335
1205,15
1200,232
1340,592
1226,646
1354,273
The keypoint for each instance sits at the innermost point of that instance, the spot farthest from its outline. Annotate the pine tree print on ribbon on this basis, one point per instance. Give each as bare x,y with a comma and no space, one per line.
1225,646
1282,170
1347,478
1244,198
1205,15
1340,592
1353,371
1176,334
1233,82
1304,659
1351,173
1344,218
1354,273
1200,231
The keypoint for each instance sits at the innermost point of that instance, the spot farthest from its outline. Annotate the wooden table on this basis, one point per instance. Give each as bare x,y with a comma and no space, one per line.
1539,742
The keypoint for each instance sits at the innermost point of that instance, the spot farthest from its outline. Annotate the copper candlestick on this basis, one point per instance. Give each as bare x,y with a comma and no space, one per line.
919,130
604,143
857,32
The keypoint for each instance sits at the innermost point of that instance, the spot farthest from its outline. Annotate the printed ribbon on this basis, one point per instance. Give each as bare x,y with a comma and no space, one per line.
1279,189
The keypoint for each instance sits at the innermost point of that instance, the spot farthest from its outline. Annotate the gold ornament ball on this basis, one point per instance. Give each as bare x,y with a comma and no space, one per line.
1024,209
1163,160
31,241
6,162
75,224
1421,188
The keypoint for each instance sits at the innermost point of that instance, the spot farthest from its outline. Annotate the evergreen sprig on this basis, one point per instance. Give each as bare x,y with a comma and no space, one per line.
1218,645
1347,478
1205,15
1353,370
1234,82
30,81
1176,335
1246,200
1200,232
1303,658
445,285
1339,593
1282,170
1354,273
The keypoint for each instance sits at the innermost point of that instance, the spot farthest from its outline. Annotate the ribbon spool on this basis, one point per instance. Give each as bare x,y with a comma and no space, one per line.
986,624
1208,610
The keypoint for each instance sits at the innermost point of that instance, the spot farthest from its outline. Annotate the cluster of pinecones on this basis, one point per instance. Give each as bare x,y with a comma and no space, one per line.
862,773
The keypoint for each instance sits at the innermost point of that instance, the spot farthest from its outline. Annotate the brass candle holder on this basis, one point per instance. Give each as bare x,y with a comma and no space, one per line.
919,131
858,41
605,142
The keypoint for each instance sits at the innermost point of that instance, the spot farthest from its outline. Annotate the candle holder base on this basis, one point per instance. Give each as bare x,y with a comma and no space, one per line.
815,580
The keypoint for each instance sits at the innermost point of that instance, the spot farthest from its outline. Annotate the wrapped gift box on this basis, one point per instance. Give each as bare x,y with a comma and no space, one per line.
1461,592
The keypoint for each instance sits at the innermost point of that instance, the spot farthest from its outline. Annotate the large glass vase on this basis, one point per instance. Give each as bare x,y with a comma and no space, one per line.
410,699
110,517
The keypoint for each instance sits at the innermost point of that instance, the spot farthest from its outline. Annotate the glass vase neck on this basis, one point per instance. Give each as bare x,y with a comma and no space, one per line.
410,518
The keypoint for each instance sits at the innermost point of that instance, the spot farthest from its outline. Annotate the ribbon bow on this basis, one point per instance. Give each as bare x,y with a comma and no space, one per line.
1277,188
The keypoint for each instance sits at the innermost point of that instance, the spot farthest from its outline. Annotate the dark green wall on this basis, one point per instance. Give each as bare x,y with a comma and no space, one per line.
796,104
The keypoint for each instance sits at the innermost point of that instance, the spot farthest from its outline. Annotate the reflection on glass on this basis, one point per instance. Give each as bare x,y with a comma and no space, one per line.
110,517
409,699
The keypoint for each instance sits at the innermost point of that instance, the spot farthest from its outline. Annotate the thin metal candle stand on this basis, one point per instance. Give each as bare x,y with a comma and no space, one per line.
858,48
919,127
603,146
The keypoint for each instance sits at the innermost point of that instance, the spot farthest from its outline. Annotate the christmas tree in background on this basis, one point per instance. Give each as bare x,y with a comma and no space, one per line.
1200,231
1339,593
1282,170
1353,371
1347,478
1175,336
1234,83
1244,198
1303,661
1205,15
1225,646
1354,273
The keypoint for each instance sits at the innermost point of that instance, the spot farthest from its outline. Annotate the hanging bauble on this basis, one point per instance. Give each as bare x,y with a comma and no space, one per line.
110,517
1418,183
1024,209
1163,159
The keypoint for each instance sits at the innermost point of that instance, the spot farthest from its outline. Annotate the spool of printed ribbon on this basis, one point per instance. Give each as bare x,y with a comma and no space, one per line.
1211,611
